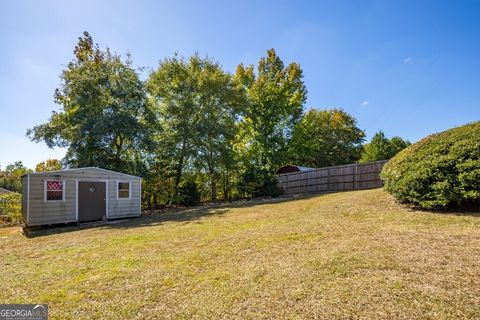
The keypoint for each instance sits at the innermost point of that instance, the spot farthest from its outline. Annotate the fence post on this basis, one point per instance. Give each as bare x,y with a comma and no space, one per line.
355,176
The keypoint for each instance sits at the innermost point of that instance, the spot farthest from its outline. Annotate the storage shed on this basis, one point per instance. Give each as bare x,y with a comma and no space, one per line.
3,191
292,168
79,195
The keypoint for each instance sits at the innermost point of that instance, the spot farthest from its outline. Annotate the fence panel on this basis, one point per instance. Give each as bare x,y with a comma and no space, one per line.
357,176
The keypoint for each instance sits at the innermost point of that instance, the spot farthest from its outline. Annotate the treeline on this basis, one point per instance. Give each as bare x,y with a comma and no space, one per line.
11,176
192,130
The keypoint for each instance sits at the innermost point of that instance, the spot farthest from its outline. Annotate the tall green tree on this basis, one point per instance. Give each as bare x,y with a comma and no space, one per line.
382,148
172,91
326,138
199,105
104,119
276,95
220,103
398,144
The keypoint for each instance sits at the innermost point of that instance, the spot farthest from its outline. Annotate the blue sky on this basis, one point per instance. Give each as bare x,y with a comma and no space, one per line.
409,68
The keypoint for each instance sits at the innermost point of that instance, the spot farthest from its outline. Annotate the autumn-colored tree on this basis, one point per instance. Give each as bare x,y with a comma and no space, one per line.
48,165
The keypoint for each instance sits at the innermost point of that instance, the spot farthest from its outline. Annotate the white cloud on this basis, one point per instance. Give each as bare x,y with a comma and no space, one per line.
407,60
365,103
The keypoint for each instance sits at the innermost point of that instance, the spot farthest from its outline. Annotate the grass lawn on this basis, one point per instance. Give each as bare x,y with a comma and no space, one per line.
352,255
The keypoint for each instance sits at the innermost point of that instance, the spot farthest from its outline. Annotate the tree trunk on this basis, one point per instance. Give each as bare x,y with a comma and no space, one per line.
213,183
178,176
214,190
179,169
90,156
118,153
226,185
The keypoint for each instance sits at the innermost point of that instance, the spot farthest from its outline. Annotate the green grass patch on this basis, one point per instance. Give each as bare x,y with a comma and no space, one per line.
347,255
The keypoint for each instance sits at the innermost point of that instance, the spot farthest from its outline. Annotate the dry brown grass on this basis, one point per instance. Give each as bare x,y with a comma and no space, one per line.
352,255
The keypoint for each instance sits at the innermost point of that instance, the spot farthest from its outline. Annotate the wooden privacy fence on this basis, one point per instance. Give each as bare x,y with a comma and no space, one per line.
329,179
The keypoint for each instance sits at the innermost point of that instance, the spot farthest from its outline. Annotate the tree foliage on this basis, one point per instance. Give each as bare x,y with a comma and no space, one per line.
189,193
11,177
104,117
191,130
326,138
11,206
276,95
48,165
382,148
199,105
172,91
439,171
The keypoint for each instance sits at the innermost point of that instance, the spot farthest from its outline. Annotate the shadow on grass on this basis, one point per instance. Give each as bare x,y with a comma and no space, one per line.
470,211
155,218
192,214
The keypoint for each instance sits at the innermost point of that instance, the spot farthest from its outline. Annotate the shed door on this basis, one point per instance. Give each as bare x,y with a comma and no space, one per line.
91,201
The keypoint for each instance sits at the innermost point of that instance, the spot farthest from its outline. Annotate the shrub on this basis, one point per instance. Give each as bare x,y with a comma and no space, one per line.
440,171
189,194
11,205
259,182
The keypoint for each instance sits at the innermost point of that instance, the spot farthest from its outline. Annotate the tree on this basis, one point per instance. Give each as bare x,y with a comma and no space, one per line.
276,95
104,117
158,184
326,138
48,165
220,103
172,92
398,144
382,148
11,178
198,104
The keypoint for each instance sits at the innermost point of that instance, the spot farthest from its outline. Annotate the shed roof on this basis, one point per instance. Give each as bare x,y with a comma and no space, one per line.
80,169
3,190
293,168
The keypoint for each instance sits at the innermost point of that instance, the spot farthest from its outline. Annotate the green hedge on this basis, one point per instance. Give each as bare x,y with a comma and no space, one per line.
440,171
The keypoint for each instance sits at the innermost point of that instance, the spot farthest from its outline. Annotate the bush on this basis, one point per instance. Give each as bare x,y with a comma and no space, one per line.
11,205
257,182
189,194
440,171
